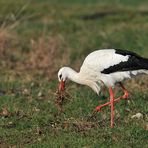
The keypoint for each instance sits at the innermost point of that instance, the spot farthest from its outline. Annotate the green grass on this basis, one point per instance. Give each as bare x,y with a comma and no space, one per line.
38,37
35,121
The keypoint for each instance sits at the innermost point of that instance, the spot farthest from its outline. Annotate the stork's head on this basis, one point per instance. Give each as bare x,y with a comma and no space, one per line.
62,76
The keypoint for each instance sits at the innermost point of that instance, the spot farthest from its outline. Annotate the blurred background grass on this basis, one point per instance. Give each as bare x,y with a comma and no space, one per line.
37,37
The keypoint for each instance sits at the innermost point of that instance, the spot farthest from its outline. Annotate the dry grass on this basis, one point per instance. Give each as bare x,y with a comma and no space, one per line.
6,38
44,54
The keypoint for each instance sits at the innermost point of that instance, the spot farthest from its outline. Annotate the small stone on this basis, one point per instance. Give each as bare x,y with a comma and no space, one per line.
40,94
36,109
4,112
26,91
129,102
10,122
138,116
39,139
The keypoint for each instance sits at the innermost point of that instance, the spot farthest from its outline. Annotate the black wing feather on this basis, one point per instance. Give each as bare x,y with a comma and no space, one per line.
135,62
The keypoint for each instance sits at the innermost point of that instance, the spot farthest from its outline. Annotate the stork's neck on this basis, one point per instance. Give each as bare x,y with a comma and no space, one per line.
75,77
81,79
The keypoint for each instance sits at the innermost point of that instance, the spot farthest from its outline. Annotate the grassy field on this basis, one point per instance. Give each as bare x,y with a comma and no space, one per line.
37,37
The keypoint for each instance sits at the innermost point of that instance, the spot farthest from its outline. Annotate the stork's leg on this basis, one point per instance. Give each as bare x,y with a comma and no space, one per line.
124,90
111,103
112,100
111,106
125,95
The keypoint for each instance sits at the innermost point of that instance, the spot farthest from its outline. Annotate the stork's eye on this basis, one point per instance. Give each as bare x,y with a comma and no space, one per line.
60,76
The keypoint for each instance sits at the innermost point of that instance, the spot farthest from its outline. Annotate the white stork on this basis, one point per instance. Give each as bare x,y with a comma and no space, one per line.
107,67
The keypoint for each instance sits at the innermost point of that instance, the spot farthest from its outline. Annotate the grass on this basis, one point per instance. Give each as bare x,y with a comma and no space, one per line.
36,39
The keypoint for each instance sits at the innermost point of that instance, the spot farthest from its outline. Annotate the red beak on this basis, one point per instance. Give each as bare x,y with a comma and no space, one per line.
61,85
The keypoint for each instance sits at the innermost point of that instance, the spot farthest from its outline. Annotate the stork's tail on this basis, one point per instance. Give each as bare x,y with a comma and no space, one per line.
144,64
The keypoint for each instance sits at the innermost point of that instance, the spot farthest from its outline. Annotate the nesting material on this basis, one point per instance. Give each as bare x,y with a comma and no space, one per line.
61,98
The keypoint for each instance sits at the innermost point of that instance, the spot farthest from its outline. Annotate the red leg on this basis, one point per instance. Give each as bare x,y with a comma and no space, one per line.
111,103
125,95
124,90
112,106
112,100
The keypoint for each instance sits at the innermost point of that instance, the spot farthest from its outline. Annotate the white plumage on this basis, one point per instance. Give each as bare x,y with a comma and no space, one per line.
90,71
105,67
99,60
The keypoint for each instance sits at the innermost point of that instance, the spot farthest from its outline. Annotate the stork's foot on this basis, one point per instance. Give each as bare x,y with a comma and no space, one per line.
98,108
125,94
